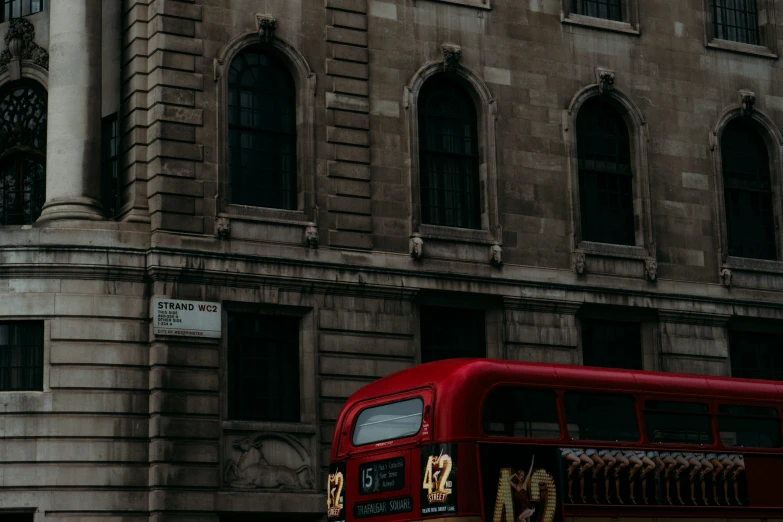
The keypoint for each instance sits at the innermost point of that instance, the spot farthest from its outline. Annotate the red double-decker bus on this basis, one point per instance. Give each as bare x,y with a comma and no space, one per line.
502,441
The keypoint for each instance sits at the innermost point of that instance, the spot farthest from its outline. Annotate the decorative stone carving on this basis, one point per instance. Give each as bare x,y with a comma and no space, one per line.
451,56
222,228
267,25
605,82
417,246
726,276
311,236
651,269
253,471
20,44
580,263
747,103
496,255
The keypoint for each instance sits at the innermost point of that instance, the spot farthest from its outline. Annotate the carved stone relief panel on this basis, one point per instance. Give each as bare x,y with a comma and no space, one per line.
268,461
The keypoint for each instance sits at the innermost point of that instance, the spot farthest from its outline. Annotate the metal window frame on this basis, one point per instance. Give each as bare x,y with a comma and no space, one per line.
25,8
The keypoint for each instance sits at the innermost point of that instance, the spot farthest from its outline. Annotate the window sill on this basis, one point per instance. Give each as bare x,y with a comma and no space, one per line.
610,250
265,215
479,4
464,235
278,427
753,265
600,23
737,47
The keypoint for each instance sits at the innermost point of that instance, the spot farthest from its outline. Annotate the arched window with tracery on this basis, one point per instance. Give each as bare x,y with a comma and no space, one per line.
747,191
262,131
449,159
22,153
605,174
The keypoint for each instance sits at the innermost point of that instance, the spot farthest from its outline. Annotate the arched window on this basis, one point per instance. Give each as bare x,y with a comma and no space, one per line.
262,132
22,153
605,175
747,191
448,151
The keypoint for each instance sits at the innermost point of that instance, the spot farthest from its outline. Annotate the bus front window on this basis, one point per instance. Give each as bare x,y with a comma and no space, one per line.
388,421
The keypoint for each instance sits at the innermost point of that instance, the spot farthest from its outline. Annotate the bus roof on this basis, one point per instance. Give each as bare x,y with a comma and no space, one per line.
461,384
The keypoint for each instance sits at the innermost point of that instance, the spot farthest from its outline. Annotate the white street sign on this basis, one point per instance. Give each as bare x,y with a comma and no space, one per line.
188,318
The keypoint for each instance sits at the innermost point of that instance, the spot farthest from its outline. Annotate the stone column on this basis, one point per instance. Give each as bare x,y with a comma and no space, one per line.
73,155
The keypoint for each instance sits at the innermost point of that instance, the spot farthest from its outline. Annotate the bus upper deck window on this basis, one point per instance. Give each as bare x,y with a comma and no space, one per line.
601,416
517,412
388,421
679,422
749,426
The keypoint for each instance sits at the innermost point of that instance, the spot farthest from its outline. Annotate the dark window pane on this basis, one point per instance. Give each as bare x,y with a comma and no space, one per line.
677,422
110,166
262,132
749,426
605,176
736,20
750,221
601,416
17,8
606,9
447,333
263,367
612,344
22,153
448,151
756,355
515,412
21,356
389,421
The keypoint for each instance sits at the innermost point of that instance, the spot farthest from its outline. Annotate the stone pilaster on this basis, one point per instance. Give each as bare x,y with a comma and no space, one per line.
73,156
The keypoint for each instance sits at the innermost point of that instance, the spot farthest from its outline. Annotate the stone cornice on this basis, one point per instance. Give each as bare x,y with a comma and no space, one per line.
541,305
693,318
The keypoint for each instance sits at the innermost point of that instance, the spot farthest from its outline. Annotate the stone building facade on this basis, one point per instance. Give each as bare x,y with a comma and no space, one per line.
576,201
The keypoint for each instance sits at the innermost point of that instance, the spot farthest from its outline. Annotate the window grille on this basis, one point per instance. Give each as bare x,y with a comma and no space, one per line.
11,9
448,333
756,355
448,151
747,191
612,344
606,9
263,367
111,187
22,153
262,132
736,20
605,175
21,356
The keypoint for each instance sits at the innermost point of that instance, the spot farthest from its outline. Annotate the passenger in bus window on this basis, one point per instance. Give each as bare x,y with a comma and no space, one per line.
608,458
717,471
706,469
520,482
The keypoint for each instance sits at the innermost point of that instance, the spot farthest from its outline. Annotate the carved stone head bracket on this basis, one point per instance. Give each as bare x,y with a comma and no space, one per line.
580,263
726,276
496,255
267,25
222,228
747,103
20,44
651,270
605,81
417,246
311,236
451,56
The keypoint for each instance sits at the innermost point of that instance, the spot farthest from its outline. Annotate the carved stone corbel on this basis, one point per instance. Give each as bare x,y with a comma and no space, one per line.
496,255
222,228
267,25
416,245
605,79
580,263
747,103
311,236
452,54
651,270
726,277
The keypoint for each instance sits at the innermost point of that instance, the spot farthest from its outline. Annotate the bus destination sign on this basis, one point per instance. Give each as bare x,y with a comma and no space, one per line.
382,475
380,508
186,318
438,479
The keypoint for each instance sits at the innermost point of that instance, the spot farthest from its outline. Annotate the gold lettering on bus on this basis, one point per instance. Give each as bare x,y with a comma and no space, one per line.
333,504
542,489
436,478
